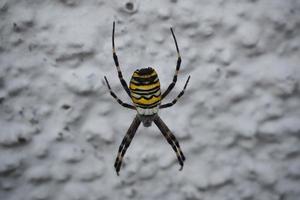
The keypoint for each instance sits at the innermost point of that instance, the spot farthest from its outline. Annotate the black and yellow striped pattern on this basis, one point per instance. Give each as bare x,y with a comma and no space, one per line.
145,88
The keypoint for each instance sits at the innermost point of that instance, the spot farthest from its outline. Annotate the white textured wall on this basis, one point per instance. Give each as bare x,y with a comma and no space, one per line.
238,123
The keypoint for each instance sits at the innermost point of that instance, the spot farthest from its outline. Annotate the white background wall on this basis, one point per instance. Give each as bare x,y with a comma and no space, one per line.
238,123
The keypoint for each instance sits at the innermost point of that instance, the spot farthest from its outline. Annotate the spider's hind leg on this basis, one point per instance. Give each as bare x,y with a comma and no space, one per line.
171,140
126,142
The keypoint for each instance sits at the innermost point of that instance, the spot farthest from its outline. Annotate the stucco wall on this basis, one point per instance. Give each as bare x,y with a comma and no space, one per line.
238,122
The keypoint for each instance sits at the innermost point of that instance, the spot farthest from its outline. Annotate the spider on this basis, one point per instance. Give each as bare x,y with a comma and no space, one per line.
144,91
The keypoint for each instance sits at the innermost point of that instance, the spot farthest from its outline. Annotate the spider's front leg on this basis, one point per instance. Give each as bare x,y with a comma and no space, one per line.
171,86
171,140
126,142
115,57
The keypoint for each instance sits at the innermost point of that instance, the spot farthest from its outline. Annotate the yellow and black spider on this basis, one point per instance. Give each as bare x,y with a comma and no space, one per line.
144,90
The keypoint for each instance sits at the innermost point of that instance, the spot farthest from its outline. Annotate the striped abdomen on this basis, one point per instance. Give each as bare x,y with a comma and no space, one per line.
145,91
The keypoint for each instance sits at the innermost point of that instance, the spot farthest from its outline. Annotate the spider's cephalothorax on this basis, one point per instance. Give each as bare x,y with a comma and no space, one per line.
144,91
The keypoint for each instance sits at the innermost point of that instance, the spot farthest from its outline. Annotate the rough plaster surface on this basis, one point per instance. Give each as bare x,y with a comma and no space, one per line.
238,123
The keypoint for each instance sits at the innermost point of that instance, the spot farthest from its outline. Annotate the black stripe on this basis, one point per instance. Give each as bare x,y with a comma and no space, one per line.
148,105
144,71
116,59
145,79
143,83
147,98
178,63
150,91
143,90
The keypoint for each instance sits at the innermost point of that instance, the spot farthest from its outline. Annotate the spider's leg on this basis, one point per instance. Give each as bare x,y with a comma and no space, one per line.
171,140
123,82
126,142
171,86
115,96
176,99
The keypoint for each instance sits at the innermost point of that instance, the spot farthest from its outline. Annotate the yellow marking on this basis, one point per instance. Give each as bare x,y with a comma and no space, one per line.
135,74
144,87
146,101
